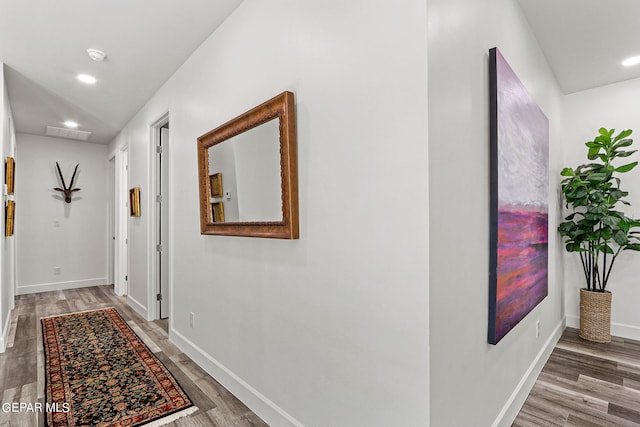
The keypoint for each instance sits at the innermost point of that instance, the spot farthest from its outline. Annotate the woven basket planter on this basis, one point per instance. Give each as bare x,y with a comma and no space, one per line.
595,316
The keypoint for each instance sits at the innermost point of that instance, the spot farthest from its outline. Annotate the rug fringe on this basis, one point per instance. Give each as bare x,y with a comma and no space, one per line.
76,312
171,418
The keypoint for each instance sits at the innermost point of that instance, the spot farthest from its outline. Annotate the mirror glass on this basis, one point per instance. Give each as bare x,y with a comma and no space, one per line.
248,173
246,168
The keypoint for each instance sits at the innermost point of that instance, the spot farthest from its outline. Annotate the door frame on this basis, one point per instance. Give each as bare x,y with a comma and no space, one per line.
111,220
153,311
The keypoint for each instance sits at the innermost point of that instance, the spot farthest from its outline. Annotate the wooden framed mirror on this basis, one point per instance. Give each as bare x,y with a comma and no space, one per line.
255,155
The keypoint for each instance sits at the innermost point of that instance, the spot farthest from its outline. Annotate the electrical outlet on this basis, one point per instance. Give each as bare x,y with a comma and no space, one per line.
56,270
192,319
538,327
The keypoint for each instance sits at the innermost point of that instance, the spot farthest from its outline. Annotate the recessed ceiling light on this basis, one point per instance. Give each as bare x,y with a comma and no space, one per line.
96,55
85,78
71,124
634,60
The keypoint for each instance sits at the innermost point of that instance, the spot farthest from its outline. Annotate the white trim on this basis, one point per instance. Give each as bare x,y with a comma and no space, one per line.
516,400
271,413
4,339
58,286
77,312
137,306
617,329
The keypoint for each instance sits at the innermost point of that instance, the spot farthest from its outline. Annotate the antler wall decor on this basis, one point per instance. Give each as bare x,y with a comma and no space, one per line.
67,191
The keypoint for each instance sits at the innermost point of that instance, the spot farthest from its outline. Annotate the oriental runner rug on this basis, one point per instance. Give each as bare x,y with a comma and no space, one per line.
99,373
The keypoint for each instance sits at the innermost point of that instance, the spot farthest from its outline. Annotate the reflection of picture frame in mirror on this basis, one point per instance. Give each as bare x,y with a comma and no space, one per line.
215,182
10,171
134,201
217,212
9,213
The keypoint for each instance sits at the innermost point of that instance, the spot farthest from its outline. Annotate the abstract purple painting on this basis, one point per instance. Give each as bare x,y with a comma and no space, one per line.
519,134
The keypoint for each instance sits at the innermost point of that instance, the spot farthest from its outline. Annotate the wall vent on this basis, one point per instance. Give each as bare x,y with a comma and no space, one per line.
67,133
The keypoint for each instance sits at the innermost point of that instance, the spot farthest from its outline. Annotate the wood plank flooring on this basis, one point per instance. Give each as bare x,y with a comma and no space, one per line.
22,364
586,384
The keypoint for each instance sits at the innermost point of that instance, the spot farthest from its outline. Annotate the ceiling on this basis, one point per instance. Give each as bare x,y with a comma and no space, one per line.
43,45
585,41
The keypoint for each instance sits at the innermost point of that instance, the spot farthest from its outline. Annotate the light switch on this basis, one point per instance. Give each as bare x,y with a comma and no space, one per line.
228,195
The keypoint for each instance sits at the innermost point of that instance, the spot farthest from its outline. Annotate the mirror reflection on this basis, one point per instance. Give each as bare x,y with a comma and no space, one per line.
244,176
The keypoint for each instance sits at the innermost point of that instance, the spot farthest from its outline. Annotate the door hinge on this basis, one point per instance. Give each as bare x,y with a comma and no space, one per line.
159,149
126,241
126,278
158,297
159,198
159,248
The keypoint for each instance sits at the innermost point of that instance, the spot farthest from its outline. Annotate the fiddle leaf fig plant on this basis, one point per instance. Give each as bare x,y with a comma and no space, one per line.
595,228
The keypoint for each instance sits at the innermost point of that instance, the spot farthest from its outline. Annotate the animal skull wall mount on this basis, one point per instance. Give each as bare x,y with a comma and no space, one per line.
67,191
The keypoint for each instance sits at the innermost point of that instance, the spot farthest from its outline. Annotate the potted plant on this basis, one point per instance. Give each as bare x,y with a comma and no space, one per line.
595,228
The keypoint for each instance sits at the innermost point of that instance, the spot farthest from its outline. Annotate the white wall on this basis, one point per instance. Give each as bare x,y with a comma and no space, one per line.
79,244
614,106
257,155
330,329
7,248
474,383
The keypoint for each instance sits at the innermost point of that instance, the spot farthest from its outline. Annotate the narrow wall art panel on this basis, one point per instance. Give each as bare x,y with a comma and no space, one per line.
519,136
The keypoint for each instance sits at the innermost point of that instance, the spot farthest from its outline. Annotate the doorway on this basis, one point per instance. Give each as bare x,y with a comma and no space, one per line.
161,142
121,252
111,237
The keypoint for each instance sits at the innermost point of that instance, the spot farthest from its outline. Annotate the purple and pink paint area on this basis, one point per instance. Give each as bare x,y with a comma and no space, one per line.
522,265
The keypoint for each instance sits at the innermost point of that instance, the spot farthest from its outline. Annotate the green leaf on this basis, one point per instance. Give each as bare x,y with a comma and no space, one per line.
625,153
603,132
632,247
598,177
620,238
567,172
611,221
627,167
593,153
625,133
623,143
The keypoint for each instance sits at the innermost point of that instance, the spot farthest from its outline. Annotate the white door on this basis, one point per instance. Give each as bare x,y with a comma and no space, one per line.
162,211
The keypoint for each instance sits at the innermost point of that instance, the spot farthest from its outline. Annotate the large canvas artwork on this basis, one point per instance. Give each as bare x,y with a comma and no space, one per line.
519,200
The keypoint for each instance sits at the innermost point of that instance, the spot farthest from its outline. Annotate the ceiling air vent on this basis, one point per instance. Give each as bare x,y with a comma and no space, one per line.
67,133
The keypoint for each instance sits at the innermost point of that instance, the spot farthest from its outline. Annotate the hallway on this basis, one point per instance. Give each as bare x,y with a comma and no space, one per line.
21,366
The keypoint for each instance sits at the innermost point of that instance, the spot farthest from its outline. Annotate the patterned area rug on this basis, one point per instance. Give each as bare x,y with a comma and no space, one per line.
99,373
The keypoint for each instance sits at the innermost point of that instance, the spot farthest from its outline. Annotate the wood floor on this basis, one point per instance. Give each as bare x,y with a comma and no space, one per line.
22,364
586,384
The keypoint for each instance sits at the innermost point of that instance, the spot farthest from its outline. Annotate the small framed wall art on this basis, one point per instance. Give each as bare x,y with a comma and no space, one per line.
215,182
10,172
134,201
9,213
217,210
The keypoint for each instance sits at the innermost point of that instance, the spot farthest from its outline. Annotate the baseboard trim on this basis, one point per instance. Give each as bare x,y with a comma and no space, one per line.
271,413
4,339
617,329
516,400
59,286
141,309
